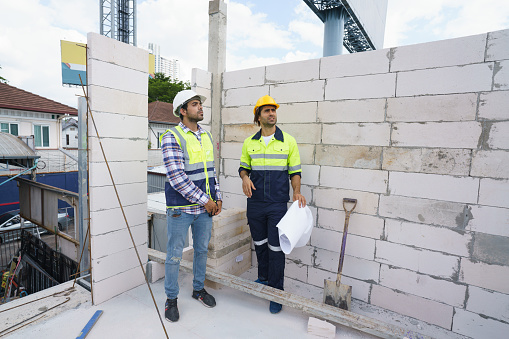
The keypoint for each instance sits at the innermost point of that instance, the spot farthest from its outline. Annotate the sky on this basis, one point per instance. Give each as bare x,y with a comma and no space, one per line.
259,32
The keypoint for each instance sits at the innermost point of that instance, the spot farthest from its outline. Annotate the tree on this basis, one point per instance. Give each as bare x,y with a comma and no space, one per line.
163,88
2,79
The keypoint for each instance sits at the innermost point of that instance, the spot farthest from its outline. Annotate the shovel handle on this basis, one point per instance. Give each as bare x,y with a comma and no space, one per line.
345,232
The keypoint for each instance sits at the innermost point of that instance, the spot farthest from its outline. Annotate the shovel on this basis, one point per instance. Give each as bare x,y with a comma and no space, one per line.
335,293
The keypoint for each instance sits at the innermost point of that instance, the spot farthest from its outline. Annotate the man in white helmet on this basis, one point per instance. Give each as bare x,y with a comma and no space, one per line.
192,197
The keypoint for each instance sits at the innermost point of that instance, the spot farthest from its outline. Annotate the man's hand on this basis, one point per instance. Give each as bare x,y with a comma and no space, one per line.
300,197
211,207
219,206
247,186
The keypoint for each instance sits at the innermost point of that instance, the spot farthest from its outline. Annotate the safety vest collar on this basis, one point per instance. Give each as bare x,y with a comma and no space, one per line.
278,135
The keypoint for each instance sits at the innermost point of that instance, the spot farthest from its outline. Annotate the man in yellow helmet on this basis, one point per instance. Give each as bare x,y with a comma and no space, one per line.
192,197
268,159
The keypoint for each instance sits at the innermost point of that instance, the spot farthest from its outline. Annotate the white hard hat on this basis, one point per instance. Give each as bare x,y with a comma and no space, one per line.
184,97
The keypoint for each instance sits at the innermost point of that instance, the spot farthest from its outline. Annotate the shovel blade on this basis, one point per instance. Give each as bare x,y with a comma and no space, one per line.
337,296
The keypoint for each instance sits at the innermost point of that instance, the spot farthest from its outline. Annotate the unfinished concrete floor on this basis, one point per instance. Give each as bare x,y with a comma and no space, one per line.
132,315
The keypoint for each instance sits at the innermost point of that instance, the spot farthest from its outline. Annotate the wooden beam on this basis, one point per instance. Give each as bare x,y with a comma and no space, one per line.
314,308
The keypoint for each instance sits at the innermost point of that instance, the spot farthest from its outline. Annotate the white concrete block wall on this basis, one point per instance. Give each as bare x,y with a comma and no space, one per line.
419,136
117,80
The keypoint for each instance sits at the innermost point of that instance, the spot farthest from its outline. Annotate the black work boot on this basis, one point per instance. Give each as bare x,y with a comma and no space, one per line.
171,311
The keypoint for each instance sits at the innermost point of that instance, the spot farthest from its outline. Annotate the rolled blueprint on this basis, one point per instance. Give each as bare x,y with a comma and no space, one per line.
295,227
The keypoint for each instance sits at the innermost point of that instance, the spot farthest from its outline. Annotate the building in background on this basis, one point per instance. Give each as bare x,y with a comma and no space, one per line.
70,133
169,67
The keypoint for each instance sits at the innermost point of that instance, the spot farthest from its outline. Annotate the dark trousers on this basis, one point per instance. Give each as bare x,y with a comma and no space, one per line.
263,218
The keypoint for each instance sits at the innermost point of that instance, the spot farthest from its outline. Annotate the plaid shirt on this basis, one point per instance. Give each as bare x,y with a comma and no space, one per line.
173,158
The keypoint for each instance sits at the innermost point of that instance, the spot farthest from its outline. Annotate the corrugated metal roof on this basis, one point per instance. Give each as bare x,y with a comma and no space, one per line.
11,147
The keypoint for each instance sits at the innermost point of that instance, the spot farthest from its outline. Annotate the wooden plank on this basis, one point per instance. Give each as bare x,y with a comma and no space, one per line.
317,309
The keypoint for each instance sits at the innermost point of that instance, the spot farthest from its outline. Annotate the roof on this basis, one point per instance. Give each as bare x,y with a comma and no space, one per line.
162,112
69,122
14,150
15,98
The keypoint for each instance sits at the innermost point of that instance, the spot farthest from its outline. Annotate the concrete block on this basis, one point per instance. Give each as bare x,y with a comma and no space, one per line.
354,178
501,75
231,150
112,125
360,224
244,78
450,52
427,310
454,107
431,212
155,271
437,134
349,156
423,286
366,134
310,174
123,173
230,167
244,96
498,45
201,78
367,110
371,62
360,289
104,197
302,255
361,87
493,105
117,241
492,164
367,203
108,288
112,51
490,249
104,74
102,99
427,160
301,112
231,184
432,186
293,71
238,133
356,246
353,267
429,237
237,115
307,153
119,262
499,135
296,271
446,80
298,91
476,326
494,192
491,277
234,200
422,261
303,133
488,303
489,220
106,221
113,149
228,216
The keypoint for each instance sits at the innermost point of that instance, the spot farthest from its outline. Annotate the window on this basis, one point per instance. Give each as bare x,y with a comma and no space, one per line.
9,128
41,136
159,139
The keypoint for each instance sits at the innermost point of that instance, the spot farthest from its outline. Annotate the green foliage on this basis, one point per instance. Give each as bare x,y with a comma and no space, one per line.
2,79
163,88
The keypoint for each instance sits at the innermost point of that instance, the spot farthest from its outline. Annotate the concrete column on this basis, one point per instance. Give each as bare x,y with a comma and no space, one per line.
217,65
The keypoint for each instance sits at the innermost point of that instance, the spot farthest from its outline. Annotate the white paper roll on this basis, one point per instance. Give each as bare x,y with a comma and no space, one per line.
295,227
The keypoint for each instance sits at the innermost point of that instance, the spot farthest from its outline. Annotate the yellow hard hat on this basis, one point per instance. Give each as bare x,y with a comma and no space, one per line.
265,100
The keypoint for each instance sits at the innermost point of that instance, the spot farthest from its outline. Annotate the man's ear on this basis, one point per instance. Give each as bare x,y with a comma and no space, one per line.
182,111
